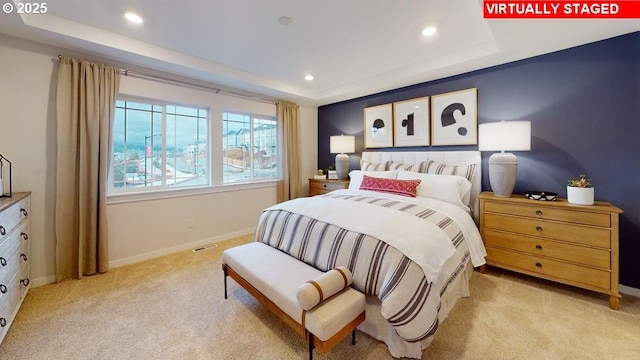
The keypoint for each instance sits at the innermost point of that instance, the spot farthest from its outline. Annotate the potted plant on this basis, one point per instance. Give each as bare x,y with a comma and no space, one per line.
580,191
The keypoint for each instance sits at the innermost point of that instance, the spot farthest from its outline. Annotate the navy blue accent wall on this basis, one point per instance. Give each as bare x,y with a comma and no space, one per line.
584,108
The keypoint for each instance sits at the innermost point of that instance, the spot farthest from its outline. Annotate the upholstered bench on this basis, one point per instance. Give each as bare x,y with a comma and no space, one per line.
286,286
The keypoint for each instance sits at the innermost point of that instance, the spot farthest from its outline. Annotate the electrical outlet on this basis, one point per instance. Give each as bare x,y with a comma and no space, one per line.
190,223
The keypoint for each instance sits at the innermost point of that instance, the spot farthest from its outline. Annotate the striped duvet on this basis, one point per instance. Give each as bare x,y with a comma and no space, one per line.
410,302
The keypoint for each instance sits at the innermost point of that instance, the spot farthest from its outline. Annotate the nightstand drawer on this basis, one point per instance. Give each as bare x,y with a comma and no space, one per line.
327,185
556,269
319,187
540,247
550,230
549,213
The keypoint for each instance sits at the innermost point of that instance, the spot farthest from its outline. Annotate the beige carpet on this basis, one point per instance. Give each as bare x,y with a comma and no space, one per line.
173,308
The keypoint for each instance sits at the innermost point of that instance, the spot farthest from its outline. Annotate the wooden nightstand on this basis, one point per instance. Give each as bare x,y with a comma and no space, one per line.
571,244
323,186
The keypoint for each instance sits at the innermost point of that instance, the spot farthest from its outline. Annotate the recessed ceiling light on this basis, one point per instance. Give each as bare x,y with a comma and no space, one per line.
428,31
308,77
133,17
285,20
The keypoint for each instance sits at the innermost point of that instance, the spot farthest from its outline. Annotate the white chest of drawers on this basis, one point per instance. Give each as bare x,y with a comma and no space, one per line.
14,256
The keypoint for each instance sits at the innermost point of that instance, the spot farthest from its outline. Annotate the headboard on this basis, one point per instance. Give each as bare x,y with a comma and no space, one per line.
455,158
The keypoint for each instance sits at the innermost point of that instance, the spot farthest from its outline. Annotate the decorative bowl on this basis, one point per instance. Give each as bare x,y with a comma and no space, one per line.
541,195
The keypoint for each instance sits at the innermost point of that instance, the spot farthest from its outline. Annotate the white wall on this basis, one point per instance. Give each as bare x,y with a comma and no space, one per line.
145,229
309,145
28,138
137,230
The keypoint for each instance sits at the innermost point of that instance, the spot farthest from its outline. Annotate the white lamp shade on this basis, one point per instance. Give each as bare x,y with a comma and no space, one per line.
342,144
505,136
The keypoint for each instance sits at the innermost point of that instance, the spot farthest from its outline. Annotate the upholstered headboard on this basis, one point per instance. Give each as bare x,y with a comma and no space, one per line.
452,158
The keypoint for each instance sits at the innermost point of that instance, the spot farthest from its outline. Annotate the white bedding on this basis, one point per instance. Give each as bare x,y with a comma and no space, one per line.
409,289
410,302
401,230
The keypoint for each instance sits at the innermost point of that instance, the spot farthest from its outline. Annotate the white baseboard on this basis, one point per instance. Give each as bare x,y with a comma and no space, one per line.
154,254
628,290
45,280
176,249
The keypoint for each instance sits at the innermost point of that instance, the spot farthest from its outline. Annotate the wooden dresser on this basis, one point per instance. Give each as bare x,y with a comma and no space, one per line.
571,244
14,256
323,186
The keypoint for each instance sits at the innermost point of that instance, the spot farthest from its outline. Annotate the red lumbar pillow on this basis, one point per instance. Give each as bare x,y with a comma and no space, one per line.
393,186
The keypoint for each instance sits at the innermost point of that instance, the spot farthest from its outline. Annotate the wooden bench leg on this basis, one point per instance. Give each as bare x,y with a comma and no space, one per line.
224,270
310,346
353,337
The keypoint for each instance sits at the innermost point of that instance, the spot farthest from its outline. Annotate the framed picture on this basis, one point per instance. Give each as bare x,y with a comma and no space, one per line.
454,118
378,127
411,122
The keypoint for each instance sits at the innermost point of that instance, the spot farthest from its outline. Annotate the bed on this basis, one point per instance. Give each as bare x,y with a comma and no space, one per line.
406,228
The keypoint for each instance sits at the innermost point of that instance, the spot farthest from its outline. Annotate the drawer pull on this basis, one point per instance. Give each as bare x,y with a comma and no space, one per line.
2,230
24,257
539,228
324,185
24,212
539,247
3,261
3,322
24,236
539,212
3,289
538,265
25,282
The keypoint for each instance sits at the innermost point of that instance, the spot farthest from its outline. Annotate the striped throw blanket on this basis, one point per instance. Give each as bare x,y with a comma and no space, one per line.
393,248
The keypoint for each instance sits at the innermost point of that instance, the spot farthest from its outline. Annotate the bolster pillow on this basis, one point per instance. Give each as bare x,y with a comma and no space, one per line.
322,287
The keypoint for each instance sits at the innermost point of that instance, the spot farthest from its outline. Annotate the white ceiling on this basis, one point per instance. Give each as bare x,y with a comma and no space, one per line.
353,48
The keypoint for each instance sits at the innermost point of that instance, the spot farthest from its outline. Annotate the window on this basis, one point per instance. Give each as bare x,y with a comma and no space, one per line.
158,145
250,148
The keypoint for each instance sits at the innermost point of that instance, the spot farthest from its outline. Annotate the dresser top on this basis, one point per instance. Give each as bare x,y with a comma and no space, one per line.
5,202
598,206
329,180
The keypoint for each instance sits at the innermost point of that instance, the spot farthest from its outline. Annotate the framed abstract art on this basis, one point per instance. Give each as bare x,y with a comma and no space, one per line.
411,122
378,126
454,118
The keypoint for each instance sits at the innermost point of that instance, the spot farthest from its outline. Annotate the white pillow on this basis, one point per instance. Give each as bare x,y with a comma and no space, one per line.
417,167
356,176
453,189
369,166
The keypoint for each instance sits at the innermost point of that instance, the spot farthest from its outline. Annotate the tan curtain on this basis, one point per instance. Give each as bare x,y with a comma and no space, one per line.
288,115
86,95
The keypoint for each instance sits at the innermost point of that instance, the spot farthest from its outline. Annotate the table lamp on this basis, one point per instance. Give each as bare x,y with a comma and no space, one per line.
503,166
342,145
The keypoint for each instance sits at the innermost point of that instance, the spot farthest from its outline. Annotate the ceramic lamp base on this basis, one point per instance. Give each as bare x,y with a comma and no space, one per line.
503,168
342,166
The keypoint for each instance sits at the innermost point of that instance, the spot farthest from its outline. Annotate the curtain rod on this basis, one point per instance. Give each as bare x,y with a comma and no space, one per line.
141,75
